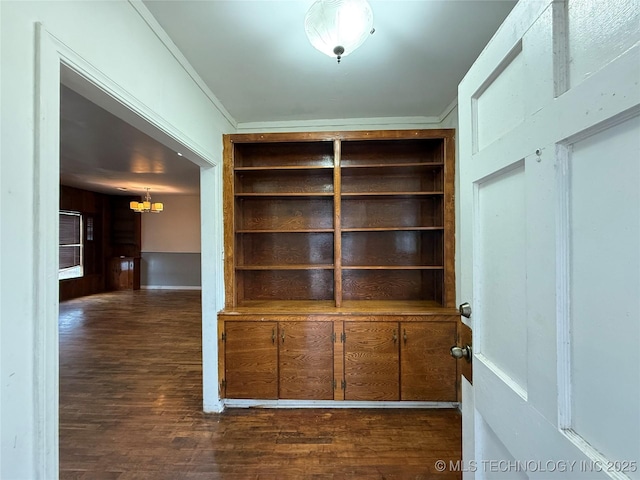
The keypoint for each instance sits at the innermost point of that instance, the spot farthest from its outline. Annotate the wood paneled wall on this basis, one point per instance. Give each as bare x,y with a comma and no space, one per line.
116,231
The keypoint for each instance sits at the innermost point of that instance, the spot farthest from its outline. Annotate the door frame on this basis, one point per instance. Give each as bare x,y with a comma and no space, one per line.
58,64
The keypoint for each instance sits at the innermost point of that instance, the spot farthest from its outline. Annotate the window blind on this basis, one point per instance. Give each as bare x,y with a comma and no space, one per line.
70,239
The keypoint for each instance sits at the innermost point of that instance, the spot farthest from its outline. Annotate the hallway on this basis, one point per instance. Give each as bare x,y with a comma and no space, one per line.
131,408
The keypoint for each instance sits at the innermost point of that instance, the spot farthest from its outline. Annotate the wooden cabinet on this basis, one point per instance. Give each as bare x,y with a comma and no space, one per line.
288,360
353,231
377,360
306,360
251,359
400,360
124,273
426,367
371,369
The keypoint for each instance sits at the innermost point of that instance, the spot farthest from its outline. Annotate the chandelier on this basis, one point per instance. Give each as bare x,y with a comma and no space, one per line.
146,206
338,27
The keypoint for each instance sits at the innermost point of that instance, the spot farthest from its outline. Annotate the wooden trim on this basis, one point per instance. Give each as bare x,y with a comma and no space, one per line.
338,360
441,315
228,219
449,293
464,368
332,136
221,357
242,403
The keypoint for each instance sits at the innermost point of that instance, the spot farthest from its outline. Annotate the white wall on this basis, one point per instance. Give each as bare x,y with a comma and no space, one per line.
176,229
114,42
171,244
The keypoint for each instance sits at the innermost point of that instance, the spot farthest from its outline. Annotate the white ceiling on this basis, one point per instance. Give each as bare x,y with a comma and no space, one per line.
255,58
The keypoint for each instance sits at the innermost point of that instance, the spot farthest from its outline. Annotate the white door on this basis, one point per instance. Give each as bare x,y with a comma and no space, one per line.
549,134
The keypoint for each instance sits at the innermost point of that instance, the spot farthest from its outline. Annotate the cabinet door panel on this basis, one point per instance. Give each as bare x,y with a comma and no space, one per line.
428,372
306,360
371,361
251,360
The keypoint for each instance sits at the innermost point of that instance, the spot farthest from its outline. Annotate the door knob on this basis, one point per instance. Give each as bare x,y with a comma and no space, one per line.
462,352
465,309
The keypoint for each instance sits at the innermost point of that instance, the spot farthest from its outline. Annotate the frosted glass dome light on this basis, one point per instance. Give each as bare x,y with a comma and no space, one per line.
338,27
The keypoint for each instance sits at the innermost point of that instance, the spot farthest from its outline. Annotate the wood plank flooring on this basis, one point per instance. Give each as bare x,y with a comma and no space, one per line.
131,408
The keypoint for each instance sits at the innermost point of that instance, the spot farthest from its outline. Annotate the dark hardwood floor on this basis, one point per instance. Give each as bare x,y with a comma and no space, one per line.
131,408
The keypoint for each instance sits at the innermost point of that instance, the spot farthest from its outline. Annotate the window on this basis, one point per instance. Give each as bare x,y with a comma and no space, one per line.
89,224
70,245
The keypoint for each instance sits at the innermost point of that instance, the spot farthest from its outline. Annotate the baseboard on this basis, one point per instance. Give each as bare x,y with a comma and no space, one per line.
241,403
170,287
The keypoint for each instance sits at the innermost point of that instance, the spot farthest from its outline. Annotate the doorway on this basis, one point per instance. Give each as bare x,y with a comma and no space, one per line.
56,65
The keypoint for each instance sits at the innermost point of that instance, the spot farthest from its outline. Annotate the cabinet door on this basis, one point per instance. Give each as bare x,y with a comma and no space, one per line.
427,370
119,268
251,360
371,362
306,360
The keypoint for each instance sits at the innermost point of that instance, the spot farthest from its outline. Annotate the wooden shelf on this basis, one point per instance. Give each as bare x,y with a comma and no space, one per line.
393,211
290,284
283,154
285,194
356,216
392,267
392,179
392,152
284,267
391,229
400,249
392,284
284,213
390,194
285,168
327,308
316,181
284,230
385,167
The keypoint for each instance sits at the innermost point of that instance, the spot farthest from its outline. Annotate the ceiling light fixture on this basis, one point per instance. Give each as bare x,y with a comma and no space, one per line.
146,206
338,27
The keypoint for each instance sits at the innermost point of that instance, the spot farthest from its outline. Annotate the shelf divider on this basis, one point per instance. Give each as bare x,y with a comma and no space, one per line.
337,236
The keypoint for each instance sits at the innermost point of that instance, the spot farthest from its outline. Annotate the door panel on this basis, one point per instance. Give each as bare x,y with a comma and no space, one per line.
605,248
596,35
306,360
501,279
495,449
428,372
499,106
371,361
251,360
